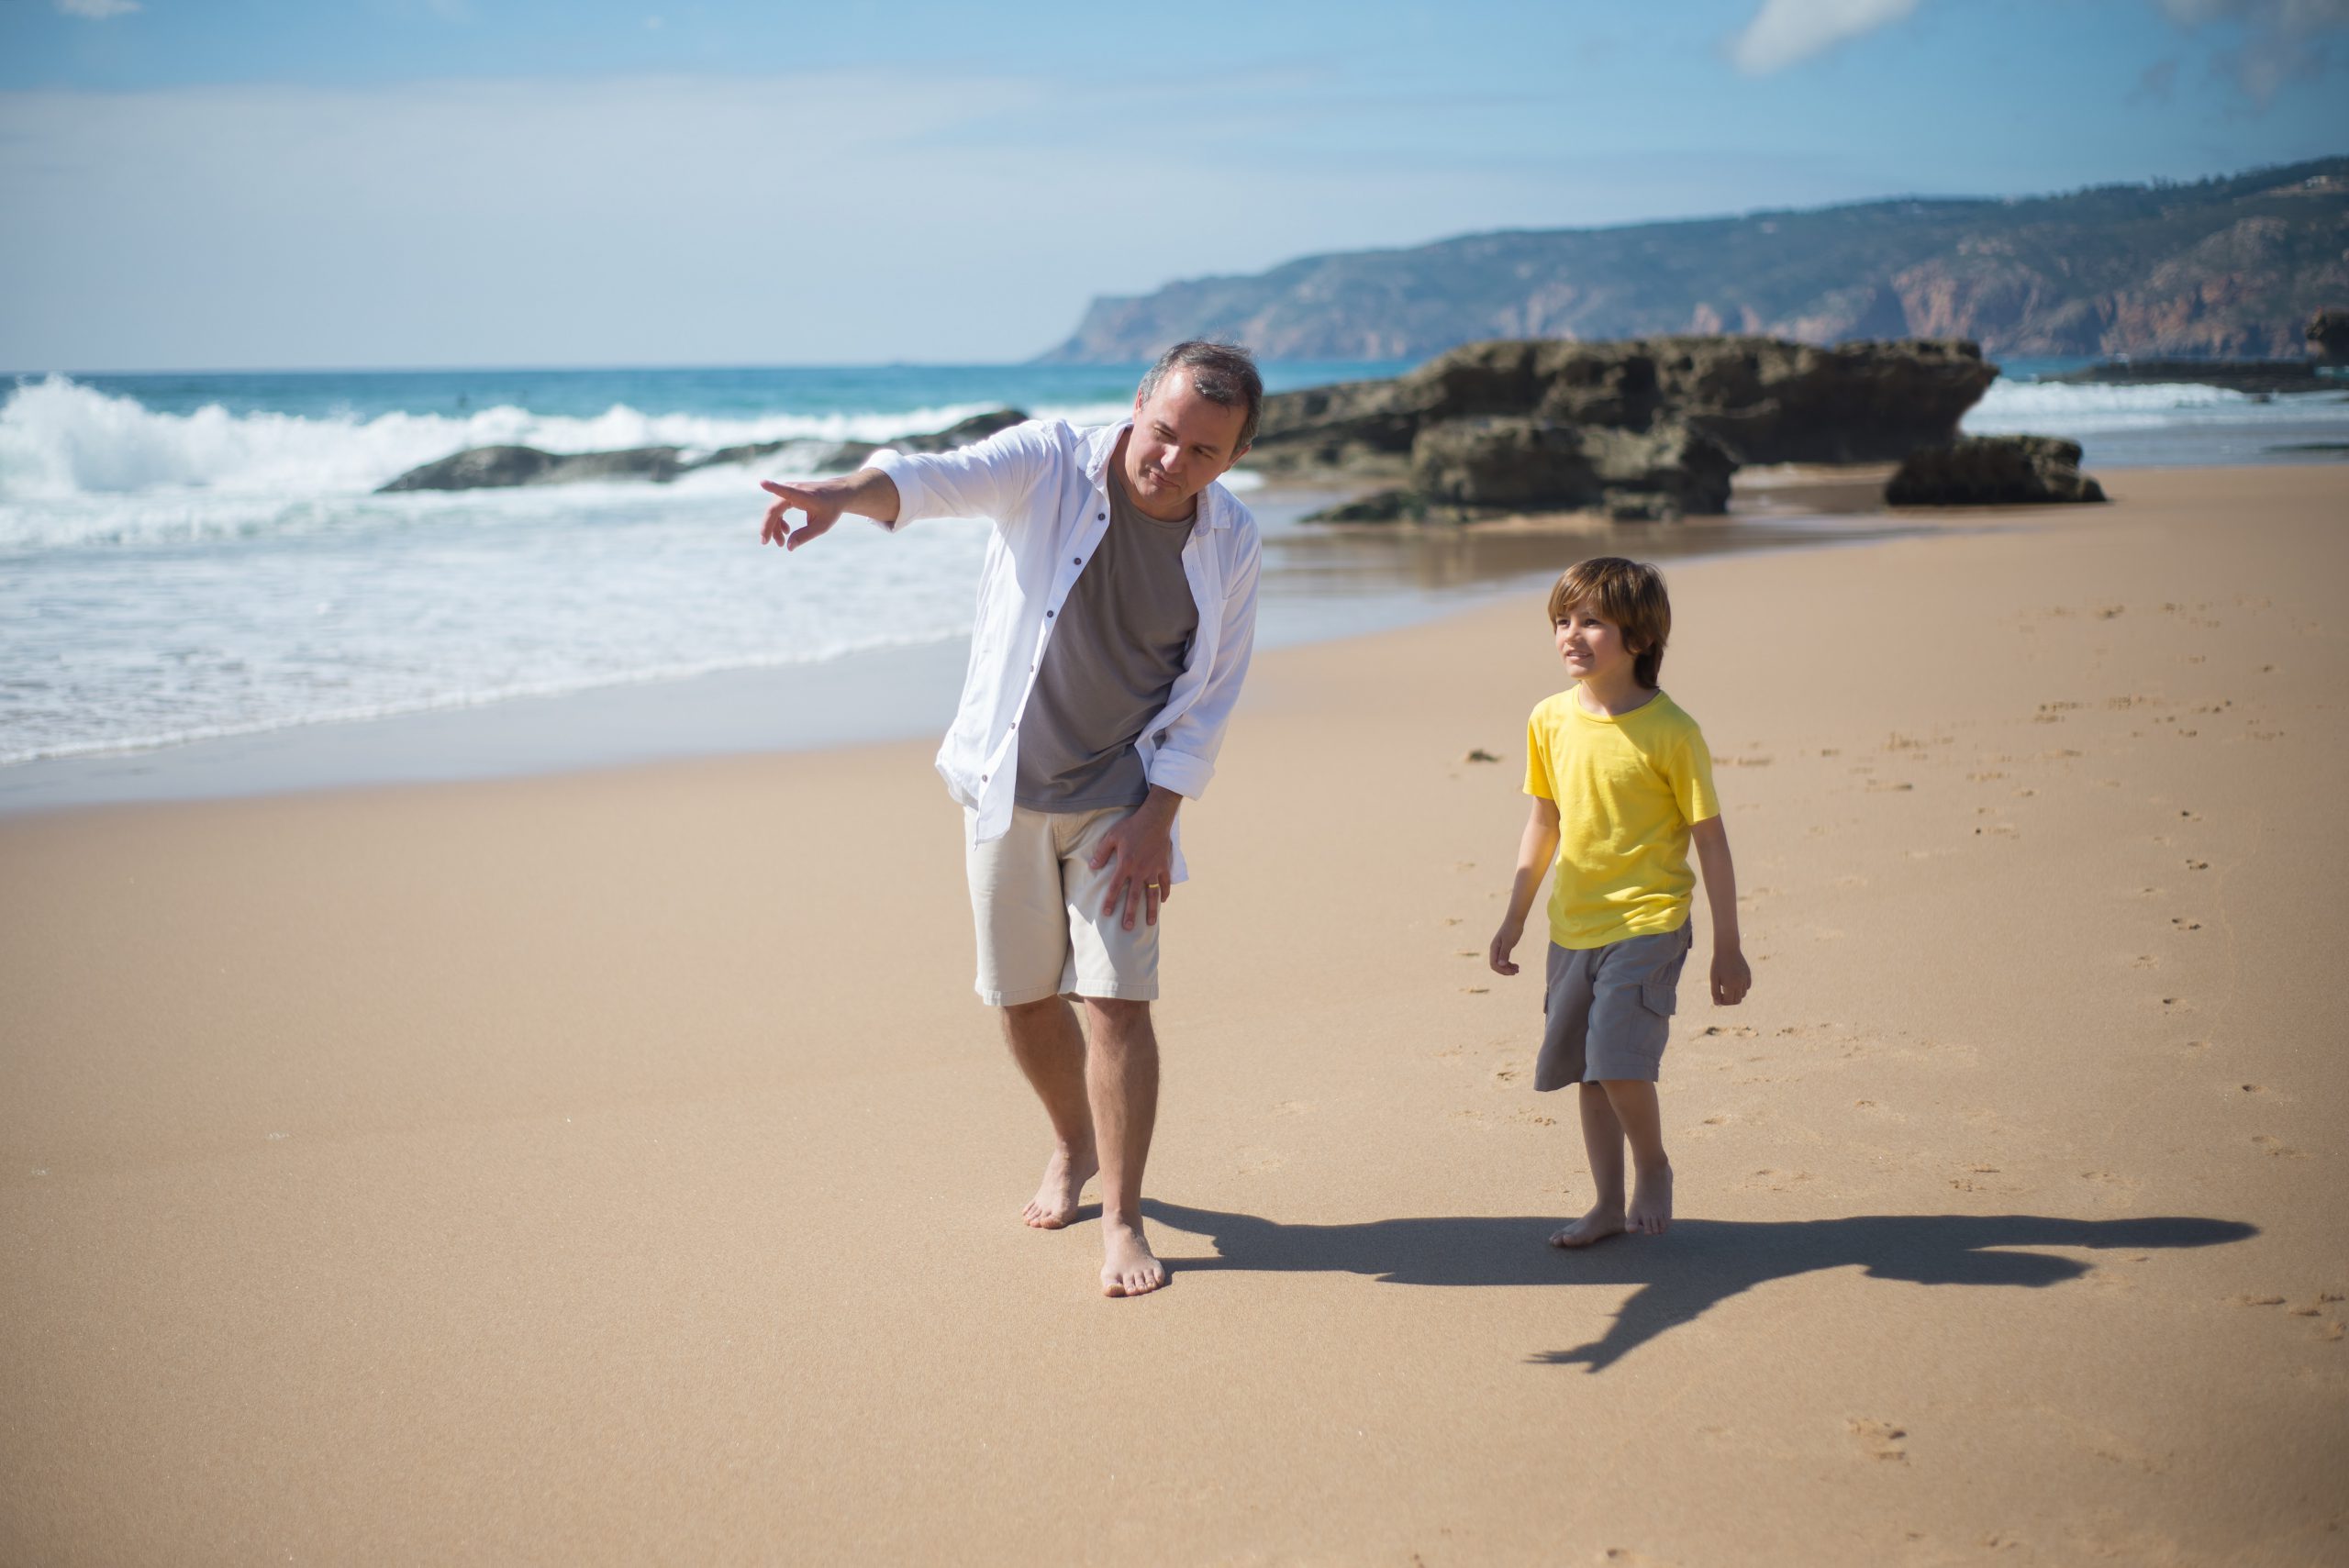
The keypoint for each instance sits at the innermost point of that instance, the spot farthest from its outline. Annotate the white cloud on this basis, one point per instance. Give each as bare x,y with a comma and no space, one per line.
2282,39
96,10
1786,32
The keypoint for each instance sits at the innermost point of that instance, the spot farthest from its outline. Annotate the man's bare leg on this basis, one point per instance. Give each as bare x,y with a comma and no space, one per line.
1602,1145
1045,1042
1122,1070
1634,1104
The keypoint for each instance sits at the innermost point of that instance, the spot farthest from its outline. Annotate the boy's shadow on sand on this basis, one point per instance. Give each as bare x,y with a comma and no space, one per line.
1688,1269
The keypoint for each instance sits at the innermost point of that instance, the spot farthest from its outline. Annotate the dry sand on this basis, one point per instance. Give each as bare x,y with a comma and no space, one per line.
615,1168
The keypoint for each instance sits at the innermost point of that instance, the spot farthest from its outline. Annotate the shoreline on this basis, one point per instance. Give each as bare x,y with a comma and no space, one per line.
617,1161
1324,583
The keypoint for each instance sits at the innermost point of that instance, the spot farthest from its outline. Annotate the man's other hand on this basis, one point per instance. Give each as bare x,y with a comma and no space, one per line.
1143,846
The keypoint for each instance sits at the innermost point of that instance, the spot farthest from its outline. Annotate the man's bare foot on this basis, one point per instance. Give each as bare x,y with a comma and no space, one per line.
1604,1221
1128,1265
1651,1203
1055,1203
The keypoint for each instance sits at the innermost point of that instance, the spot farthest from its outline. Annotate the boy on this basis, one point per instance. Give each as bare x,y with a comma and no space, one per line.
1622,784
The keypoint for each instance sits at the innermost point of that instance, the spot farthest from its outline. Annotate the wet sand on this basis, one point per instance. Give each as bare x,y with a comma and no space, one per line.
614,1166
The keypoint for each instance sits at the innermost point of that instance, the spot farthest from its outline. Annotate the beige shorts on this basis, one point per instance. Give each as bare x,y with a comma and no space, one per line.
1037,903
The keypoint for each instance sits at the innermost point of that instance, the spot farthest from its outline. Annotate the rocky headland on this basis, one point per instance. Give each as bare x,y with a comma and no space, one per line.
490,468
2224,268
1651,429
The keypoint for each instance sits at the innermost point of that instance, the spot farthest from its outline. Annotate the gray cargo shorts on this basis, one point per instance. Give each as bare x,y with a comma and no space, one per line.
1608,1010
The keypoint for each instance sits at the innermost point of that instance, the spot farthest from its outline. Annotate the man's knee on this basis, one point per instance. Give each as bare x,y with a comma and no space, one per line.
1122,1019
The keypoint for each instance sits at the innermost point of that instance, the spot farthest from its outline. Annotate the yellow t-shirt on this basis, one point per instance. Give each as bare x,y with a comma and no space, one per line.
1626,789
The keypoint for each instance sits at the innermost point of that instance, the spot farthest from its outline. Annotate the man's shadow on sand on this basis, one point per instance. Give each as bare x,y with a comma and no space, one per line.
1683,1272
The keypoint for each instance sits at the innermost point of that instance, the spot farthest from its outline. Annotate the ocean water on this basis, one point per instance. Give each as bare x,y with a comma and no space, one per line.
192,556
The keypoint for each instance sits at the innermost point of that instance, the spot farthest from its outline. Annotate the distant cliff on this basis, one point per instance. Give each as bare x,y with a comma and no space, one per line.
2234,267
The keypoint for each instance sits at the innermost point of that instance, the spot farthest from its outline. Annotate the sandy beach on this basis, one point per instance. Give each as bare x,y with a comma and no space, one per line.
615,1167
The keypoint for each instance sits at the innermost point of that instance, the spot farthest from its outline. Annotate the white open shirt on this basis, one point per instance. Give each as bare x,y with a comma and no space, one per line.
1044,485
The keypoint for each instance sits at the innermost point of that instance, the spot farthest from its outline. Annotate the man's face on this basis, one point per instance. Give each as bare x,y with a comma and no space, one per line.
1180,441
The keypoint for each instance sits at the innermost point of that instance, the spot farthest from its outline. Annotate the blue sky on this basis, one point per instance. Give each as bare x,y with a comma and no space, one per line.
254,184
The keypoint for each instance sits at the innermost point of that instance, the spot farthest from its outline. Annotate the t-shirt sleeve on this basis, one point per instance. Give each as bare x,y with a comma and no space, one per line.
1692,778
1536,758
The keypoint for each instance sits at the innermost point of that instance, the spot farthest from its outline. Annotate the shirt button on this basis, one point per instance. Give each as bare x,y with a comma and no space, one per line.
1048,615
1076,560
1100,517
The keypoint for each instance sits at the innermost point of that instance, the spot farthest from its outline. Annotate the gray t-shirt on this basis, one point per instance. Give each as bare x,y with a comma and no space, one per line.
1124,632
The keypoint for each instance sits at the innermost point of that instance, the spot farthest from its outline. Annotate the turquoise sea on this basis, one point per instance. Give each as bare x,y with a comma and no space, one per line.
192,556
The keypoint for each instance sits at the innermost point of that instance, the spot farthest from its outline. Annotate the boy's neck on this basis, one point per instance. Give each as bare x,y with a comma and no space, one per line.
1615,698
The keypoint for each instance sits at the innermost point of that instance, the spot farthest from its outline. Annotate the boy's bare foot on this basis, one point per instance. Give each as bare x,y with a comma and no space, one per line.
1055,1203
1128,1265
1604,1221
1651,1203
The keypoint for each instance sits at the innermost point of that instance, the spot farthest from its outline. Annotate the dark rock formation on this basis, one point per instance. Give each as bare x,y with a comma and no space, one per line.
1652,428
962,433
1993,471
490,468
2328,336
1513,463
1762,400
2238,375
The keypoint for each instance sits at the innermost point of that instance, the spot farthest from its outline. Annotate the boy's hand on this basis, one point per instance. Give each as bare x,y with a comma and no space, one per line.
1505,942
1731,978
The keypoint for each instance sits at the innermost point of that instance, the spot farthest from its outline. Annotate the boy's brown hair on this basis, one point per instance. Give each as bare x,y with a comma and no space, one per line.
1628,593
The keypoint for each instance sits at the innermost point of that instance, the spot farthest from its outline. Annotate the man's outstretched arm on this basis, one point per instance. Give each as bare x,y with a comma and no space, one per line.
868,493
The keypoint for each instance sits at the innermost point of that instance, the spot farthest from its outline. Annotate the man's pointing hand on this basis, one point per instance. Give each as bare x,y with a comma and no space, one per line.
821,499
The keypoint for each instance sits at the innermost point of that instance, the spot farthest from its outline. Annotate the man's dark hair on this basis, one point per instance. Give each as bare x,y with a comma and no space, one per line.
1223,373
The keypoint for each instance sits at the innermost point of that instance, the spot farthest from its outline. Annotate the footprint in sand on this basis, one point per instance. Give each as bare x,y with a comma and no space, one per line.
2259,1301
1475,990
1624,1557
2277,1149
2183,924
1293,1108
2253,1088
1879,1440
2198,865
2144,960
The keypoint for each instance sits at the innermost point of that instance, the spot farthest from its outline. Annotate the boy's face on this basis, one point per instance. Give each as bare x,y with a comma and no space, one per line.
1593,647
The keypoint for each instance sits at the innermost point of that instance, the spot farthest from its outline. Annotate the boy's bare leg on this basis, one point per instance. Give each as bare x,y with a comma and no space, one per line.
1122,1070
1635,1108
1045,1042
1602,1143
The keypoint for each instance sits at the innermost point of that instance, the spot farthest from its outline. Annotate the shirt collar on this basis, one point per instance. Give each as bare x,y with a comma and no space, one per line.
1215,502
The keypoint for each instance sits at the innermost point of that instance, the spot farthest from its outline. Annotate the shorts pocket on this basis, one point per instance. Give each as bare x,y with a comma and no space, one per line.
1660,996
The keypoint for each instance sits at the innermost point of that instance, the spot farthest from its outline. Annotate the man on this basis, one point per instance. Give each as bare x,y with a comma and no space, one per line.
1117,610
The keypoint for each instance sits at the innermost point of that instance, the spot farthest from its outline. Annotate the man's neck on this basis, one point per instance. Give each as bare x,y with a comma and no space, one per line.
1617,697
